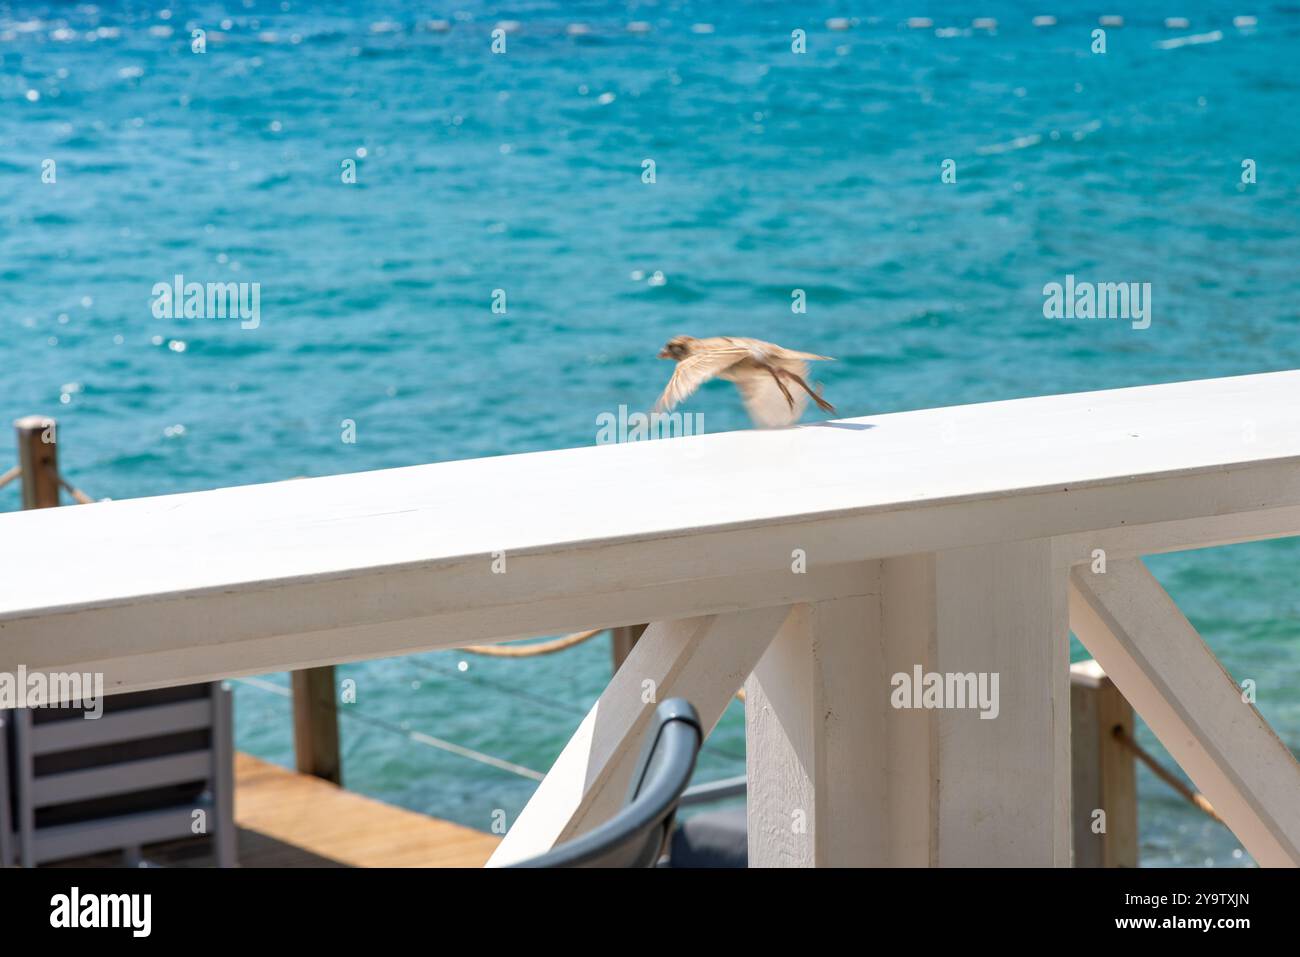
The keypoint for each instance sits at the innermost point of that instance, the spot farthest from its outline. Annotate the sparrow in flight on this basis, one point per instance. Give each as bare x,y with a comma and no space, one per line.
762,371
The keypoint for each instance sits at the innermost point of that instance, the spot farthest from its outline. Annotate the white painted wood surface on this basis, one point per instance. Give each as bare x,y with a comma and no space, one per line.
1003,784
188,641
840,777
966,790
812,706
1161,665
704,660
187,587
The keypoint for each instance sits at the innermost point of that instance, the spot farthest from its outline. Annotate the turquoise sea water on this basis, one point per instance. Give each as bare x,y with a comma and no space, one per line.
523,172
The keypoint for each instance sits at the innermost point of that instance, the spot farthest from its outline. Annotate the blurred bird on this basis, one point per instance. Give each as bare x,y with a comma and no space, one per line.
762,371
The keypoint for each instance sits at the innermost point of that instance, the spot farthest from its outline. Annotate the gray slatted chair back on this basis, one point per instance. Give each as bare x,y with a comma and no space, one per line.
154,764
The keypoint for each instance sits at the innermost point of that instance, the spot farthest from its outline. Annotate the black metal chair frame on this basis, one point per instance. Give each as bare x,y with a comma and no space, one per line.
639,833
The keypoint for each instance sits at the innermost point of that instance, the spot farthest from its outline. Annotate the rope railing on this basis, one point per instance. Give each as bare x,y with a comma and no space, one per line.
80,497
77,494
533,650
1195,798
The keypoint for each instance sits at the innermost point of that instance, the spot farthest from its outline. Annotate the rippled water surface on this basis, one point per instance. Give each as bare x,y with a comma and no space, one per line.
523,172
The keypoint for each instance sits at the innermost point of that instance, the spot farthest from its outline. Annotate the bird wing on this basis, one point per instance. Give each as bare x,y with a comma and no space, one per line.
765,402
770,351
780,352
791,354
695,370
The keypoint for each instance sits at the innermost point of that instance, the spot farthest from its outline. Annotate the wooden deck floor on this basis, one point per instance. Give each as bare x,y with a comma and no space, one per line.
293,820
287,819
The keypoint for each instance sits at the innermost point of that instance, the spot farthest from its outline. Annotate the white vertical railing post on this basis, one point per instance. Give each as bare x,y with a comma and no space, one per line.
1001,785
809,711
864,782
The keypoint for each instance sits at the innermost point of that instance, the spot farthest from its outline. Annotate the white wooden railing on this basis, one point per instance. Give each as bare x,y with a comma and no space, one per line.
809,565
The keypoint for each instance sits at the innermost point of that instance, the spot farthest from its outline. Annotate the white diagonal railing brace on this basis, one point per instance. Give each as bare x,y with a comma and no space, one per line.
1161,665
703,660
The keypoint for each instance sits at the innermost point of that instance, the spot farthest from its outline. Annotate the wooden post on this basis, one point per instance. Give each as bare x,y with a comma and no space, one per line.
1104,772
316,724
622,640
39,459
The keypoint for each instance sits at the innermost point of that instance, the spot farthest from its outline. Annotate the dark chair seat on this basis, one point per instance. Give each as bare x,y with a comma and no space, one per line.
711,839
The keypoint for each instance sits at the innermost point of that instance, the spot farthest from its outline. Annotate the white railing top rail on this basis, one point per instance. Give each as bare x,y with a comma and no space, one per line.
254,578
